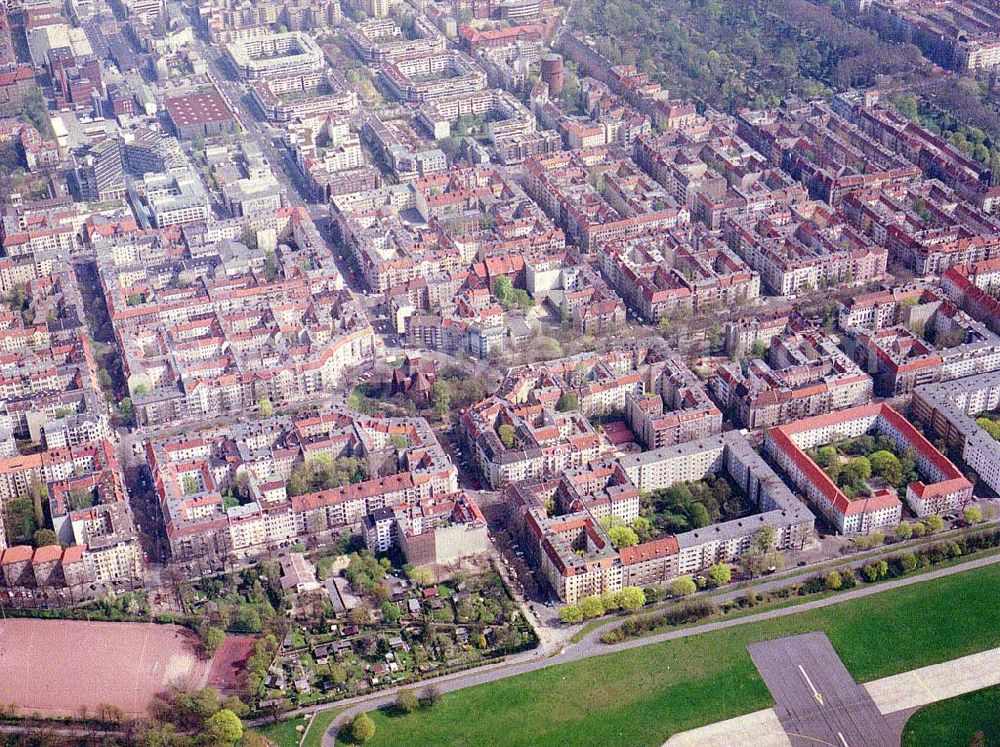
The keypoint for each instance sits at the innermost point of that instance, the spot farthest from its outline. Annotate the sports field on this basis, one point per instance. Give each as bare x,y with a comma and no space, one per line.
58,667
642,696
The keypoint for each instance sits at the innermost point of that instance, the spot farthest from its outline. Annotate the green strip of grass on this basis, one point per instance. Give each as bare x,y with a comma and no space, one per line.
320,723
954,722
642,696
777,602
284,733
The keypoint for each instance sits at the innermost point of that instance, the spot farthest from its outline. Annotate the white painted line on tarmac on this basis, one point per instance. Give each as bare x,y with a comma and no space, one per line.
819,698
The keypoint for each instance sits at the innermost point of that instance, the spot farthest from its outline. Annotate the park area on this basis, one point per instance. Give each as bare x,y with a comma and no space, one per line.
642,696
74,668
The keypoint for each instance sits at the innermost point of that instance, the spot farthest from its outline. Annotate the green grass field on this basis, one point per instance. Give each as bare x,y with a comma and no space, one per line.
954,722
642,696
284,733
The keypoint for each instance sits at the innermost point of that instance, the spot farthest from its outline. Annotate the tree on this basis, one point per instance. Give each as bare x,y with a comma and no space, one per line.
720,574
715,336
919,529
126,409
972,514
833,581
908,562
568,401
506,433
19,520
632,598
431,696
265,407
570,614
904,531
441,396
522,300
859,469
592,607
324,472
643,527
623,536
825,456
406,701
934,523
700,516
44,537
683,586
390,612
886,465
763,540
189,485
503,289
762,554
362,728
224,727
211,638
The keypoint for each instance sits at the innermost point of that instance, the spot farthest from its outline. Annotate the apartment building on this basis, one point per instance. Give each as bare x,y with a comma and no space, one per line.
804,247
559,519
943,488
686,270
803,373
255,460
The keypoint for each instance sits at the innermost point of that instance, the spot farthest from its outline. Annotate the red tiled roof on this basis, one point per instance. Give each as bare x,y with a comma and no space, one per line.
15,554
47,554
649,550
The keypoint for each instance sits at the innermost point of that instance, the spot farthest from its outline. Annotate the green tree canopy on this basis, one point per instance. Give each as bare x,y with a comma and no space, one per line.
623,536
506,433
44,537
592,607
568,401
720,574
503,289
265,407
973,514
362,728
406,700
632,598
225,727
683,586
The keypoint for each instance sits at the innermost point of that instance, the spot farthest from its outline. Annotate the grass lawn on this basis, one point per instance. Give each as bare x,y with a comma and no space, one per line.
953,722
642,696
284,733
320,722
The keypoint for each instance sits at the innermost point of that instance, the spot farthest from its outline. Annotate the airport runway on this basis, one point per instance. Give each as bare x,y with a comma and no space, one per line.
818,702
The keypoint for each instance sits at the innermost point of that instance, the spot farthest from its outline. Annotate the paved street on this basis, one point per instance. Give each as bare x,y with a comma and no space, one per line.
817,700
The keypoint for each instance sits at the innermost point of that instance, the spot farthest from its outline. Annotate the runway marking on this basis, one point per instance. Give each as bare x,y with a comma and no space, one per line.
819,698
842,740
811,739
